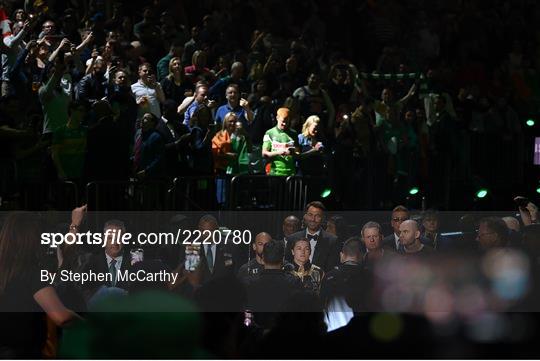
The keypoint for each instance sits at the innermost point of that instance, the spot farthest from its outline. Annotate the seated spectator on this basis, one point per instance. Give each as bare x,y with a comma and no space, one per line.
280,146
147,92
174,84
309,274
230,147
312,161
149,150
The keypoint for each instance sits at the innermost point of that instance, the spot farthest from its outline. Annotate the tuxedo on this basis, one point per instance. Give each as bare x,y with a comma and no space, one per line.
324,248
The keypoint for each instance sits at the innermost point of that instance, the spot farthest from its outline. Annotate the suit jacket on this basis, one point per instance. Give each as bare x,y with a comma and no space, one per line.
326,253
98,264
390,242
224,265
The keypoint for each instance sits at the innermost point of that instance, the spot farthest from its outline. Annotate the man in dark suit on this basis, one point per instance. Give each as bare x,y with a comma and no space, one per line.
175,136
217,260
325,252
399,215
114,260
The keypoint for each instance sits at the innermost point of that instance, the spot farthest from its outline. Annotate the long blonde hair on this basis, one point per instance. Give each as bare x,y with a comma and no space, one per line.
312,119
171,74
228,115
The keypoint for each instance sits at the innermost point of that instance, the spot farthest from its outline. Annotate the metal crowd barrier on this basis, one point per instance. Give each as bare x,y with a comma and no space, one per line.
128,195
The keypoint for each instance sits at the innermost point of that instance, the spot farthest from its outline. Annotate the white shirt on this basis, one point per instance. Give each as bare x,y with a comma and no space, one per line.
396,237
152,106
312,243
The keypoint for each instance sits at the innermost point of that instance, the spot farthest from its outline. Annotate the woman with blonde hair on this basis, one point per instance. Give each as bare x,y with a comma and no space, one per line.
174,84
230,147
311,143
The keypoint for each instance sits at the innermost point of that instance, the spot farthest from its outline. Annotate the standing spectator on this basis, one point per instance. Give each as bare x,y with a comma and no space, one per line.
149,150
409,239
372,238
201,141
92,87
192,45
14,44
313,161
399,215
25,301
230,147
69,144
54,99
147,92
315,101
492,233
174,84
430,224
235,104
236,77
198,71
280,145
175,135
164,64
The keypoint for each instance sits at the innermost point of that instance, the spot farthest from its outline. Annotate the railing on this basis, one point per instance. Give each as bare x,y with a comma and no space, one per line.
128,195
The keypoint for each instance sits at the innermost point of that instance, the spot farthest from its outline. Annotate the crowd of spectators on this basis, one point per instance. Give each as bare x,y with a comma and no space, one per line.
378,95
373,97
317,281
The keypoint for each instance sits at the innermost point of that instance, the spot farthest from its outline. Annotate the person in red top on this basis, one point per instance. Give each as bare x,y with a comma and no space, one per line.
198,71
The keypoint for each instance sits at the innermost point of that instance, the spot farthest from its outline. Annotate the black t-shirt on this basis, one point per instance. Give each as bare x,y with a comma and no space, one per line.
24,327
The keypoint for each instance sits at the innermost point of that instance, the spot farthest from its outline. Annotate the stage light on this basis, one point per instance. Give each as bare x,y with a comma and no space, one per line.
482,193
530,122
414,191
538,190
326,193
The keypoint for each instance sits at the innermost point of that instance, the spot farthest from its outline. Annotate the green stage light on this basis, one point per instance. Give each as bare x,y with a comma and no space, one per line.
538,190
326,193
482,193
530,123
413,191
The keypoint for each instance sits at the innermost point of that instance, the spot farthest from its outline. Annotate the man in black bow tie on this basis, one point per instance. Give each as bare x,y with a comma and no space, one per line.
323,244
